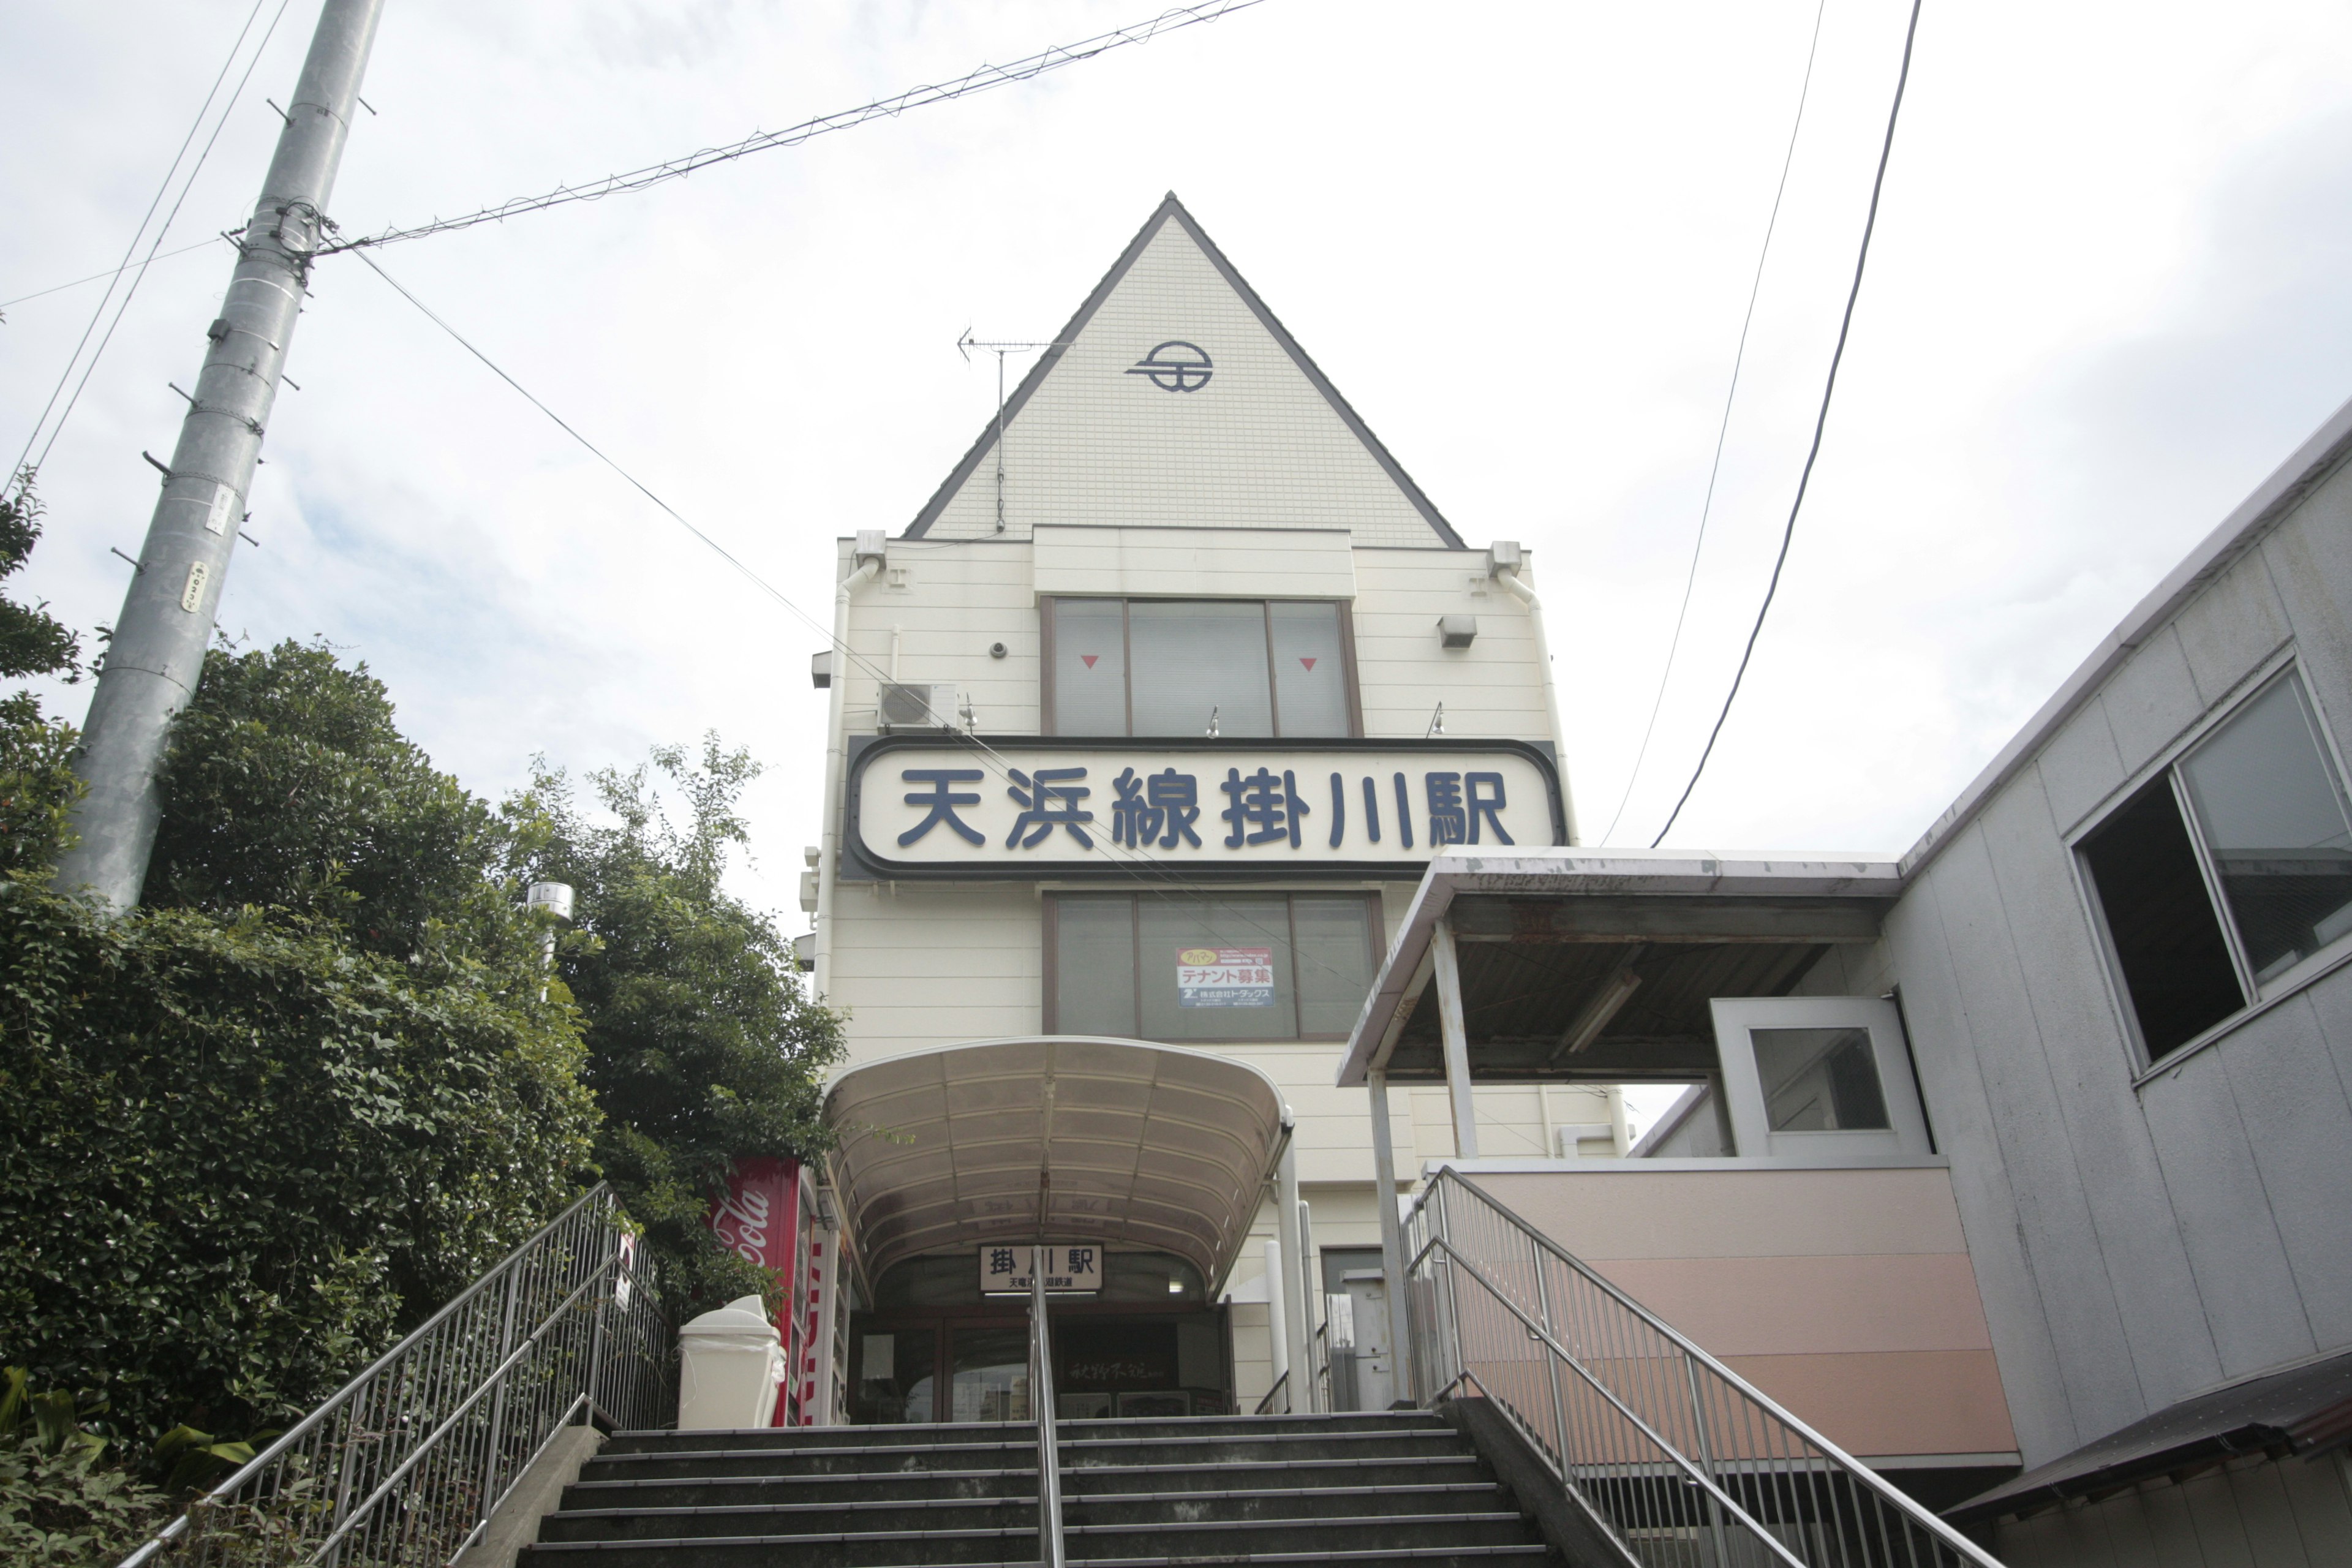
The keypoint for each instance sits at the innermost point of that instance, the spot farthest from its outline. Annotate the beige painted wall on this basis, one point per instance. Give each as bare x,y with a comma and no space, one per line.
1846,1295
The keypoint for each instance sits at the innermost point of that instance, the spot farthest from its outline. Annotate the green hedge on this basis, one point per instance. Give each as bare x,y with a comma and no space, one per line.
242,1157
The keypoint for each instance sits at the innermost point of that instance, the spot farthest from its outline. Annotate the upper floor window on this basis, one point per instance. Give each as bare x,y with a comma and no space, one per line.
1244,668
1226,966
2227,870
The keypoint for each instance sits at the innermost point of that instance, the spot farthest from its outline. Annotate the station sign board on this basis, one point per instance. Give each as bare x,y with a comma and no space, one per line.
1004,1269
981,807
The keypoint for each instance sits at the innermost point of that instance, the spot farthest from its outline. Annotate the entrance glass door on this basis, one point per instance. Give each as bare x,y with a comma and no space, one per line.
992,1374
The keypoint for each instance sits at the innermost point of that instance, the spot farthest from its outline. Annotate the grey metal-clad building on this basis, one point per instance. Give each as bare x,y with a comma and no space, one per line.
2157,1196
2122,967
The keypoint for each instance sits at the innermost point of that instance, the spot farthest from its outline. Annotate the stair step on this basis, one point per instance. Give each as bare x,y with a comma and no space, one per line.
1182,1492
1118,1511
921,1435
758,1553
720,1491
1221,1541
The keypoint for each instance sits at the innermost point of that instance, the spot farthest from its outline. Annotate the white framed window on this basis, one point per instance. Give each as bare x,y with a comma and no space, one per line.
1817,1075
2229,872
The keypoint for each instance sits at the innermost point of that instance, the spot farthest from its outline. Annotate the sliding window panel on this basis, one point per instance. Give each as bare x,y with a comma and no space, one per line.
2273,816
1094,966
1335,960
1216,969
1090,667
1199,660
1310,670
2167,940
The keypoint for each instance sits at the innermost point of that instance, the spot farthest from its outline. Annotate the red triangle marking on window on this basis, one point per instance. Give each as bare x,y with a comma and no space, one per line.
1307,661
1089,658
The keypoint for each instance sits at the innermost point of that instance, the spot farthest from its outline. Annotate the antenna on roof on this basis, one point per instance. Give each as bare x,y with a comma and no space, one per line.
964,345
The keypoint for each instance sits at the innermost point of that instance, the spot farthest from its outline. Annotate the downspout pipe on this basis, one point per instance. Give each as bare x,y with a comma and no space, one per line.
836,750
1507,574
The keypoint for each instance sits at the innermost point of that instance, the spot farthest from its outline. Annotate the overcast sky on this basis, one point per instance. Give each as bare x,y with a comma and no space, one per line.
2107,296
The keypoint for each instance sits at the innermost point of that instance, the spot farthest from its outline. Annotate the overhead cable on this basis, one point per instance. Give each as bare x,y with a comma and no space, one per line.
1723,427
978,80
1142,868
111,272
138,276
1820,423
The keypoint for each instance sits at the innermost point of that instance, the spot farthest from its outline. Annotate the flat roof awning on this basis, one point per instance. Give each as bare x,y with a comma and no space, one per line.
1056,1139
2304,1410
1600,964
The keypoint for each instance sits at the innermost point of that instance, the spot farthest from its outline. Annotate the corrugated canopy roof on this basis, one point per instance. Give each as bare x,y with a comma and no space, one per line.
1055,1139
1599,965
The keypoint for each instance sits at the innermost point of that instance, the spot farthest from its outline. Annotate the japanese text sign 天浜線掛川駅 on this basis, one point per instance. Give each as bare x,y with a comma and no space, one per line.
1023,808
1004,1268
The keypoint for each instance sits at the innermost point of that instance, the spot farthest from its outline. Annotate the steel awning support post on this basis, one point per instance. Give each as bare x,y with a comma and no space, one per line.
1455,1038
1293,1283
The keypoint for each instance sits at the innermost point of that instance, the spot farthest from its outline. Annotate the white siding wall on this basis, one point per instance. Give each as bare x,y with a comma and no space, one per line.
920,965
1258,447
1490,688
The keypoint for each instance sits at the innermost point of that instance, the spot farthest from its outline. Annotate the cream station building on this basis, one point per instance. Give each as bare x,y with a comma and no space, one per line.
1145,729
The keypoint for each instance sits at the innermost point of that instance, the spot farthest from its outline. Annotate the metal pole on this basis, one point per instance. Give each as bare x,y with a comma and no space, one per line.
1455,1039
869,559
1376,1086
1293,1284
157,653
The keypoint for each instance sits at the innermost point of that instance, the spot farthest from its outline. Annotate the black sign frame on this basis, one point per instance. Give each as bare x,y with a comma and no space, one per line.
859,866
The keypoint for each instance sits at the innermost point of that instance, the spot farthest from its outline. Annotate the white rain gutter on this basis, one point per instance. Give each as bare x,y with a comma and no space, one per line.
836,748
1508,576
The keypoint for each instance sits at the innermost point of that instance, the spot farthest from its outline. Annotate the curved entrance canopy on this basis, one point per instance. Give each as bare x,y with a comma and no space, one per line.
1055,1138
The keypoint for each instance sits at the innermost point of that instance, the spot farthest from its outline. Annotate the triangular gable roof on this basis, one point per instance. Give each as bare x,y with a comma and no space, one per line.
1266,442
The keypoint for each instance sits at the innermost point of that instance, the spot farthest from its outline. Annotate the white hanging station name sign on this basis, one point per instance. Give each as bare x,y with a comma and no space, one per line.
975,807
1005,1270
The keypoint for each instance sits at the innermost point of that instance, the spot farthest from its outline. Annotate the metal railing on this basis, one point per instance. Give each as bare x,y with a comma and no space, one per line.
1280,1390
406,1463
1041,1399
1665,1450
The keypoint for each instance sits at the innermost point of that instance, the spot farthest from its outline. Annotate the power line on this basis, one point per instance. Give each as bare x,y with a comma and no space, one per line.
1142,868
132,288
1723,427
978,80
1820,423
117,272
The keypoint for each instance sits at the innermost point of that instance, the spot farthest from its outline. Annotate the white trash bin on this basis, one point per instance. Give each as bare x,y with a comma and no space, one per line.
730,1365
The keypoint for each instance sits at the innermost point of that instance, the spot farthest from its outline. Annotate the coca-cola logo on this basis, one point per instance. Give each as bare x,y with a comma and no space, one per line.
742,1225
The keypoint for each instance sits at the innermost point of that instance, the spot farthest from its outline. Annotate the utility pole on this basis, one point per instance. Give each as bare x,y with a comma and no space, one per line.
157,652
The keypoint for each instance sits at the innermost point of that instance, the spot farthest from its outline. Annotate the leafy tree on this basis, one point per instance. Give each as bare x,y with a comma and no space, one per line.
37,782
60,1502
32,641
703,1045
289,785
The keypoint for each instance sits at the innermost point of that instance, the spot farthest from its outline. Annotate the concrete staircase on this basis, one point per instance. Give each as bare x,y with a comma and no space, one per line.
1402,1488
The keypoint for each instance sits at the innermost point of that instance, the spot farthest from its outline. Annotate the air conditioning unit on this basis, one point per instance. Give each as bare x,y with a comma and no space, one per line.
916,710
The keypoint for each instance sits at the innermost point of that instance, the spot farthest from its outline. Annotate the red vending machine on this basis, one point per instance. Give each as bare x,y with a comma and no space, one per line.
768,1216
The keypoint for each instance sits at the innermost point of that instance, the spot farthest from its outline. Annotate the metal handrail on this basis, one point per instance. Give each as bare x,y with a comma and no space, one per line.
407,1461
1723,1500
1281,1386
1041,1398
1656,1440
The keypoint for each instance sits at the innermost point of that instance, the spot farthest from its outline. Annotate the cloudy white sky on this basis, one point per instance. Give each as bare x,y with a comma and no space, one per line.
2106,297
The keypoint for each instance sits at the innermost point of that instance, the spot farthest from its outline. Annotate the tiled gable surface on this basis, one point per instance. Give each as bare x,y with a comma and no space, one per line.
1264,441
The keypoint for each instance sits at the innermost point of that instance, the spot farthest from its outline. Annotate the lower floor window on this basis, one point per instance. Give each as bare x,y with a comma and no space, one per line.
1184,967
